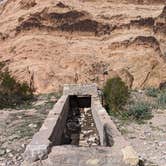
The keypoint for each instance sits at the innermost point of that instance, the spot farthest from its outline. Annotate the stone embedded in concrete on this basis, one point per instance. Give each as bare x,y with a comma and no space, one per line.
129,156
82,156
38,148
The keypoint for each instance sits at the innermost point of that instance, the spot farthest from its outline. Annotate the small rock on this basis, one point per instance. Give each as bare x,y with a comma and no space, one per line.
92,124
92,162
13,137
19,117
53,99
18,158
23,145
143,138
132,137
32,125
160,144
73,126
2,152
91,139
87,132
10,155
8,150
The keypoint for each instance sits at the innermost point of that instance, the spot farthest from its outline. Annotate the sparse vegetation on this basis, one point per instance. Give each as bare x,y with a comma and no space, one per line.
152,92
124,105
160,94
139,111
47,102
116,94
12,93
162,99
23,129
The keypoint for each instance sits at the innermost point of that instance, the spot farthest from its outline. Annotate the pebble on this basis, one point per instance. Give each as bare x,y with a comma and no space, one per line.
10,155
14,136
92,124
142,137
92,139
8,150
160,144
73,126
32,125
132,137
19,117
87,132
23,145
18,158
163,157
2,152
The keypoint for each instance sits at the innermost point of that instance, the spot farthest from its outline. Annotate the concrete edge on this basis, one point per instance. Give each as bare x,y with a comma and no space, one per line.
41,143
111,136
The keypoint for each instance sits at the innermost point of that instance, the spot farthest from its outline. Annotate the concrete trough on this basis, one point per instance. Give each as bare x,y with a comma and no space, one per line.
47,142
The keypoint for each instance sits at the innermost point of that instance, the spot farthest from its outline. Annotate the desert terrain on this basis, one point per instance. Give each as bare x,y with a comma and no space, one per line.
51,43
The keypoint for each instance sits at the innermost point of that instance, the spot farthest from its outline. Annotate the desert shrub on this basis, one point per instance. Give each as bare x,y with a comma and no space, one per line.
2,65
139,111
12,92
162,100
152,92
116,94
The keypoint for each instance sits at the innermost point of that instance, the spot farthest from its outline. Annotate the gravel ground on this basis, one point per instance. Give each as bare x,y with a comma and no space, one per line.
149,138
17,126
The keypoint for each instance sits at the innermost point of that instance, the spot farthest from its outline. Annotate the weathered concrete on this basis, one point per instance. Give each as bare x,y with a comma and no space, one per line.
88,89
49,134
82,156
114,149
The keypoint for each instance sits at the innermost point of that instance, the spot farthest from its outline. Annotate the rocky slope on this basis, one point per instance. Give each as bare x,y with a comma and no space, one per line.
49,43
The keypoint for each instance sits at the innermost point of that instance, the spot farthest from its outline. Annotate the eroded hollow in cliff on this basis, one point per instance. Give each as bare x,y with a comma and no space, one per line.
80,128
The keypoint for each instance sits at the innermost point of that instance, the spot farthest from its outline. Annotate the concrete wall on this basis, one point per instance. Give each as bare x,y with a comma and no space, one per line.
88,89
108,132
51,131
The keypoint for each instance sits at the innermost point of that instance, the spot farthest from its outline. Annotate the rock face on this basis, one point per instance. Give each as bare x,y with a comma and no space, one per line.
56,42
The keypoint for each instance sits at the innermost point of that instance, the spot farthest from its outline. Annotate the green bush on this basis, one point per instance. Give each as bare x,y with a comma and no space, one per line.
12,92
139,111
162,99
152,92
116,94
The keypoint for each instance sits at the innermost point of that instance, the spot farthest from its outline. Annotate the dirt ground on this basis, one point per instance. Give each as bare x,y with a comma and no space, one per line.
17,126
148,138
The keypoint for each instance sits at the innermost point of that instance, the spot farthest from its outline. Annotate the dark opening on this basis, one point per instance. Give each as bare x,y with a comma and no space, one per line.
80,128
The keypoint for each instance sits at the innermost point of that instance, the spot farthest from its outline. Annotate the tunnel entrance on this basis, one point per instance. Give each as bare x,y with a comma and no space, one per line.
80,128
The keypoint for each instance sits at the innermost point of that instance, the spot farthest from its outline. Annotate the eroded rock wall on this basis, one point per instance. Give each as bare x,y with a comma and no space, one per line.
56,42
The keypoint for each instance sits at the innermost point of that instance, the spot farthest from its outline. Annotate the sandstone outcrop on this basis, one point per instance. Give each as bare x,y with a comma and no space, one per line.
56,42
